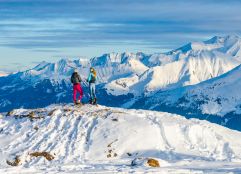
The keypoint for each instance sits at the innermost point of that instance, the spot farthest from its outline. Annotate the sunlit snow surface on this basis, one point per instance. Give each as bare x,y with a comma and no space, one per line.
101,139
2,74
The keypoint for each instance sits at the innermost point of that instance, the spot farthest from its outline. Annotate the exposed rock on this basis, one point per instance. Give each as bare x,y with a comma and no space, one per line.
51,113
115,119
15,162
10,113
109,145
145,162
153,162
129,154
31,114
67,109
47,155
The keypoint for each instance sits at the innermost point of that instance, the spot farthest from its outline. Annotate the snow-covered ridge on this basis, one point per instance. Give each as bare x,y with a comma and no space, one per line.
99,138
221,95
217,100
228,44
218,96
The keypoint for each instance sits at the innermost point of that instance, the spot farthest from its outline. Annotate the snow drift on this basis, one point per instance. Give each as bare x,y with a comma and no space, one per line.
99,138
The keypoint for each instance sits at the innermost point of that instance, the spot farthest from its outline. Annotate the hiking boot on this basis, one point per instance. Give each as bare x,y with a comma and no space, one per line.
90,101
94,101
78,102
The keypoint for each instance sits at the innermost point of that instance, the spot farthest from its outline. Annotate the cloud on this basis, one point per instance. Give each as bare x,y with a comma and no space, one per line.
46,50
55,24
12,67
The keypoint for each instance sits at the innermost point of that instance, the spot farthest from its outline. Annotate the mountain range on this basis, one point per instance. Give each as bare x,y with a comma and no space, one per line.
199,79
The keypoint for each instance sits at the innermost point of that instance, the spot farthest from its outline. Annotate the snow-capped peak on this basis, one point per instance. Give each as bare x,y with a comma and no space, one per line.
54,71
215,40
115,58
216,43
41,65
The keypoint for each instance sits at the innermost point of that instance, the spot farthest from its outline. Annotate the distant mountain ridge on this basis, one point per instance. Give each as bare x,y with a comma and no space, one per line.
124,79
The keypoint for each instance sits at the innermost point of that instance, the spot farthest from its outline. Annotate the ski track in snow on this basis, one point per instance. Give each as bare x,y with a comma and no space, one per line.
158,123
80,139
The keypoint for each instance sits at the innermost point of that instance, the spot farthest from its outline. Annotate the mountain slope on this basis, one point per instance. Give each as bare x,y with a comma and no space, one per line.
93,139
217,100
220,95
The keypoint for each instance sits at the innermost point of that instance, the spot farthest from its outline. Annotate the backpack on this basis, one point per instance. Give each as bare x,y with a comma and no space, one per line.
75,78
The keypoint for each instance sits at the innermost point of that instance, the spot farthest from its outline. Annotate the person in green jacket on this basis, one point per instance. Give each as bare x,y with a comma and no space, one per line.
92,79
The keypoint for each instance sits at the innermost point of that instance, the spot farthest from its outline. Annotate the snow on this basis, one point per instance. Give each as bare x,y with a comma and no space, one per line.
102,139
6,87
121,86
3,74
211,108
4,103
221,95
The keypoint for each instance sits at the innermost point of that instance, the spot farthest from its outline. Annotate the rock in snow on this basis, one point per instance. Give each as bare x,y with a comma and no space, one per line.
69,139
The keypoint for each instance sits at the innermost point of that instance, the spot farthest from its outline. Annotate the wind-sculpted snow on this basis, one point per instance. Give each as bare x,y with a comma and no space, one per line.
101,139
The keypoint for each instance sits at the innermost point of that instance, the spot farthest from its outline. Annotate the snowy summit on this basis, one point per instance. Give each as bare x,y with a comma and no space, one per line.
69,139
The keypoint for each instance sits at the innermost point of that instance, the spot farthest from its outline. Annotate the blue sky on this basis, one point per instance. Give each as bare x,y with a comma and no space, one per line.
36,30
